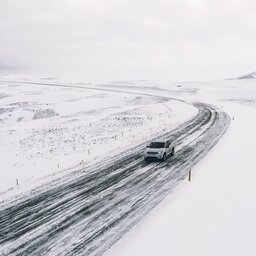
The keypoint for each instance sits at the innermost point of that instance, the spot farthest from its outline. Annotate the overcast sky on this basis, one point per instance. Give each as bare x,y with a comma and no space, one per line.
176,40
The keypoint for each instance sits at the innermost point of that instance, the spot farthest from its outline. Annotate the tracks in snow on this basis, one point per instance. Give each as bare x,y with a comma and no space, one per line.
87,215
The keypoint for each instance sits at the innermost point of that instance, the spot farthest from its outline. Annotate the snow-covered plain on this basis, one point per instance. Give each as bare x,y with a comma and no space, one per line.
215,213
46,130
212,215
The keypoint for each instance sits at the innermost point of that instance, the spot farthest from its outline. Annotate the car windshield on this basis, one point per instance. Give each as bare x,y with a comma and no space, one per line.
156,145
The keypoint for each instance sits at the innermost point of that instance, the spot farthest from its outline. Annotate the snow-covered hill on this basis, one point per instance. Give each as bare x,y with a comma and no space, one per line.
249,76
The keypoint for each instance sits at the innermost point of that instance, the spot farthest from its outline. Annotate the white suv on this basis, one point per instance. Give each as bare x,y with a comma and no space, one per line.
159,149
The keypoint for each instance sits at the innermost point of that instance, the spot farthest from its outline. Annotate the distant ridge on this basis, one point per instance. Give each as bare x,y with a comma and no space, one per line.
249,76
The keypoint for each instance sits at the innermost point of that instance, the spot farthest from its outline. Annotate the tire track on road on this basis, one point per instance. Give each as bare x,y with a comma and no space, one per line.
87,215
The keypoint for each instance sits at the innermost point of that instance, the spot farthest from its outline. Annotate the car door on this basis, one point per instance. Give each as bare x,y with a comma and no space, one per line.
171,146
168,149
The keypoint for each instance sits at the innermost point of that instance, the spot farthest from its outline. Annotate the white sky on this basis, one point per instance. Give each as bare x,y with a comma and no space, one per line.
175,40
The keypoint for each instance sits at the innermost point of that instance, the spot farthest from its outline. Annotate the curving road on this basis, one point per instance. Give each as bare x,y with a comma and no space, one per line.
87,214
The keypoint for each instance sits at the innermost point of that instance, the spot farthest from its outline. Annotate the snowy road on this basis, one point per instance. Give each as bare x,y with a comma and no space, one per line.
88,214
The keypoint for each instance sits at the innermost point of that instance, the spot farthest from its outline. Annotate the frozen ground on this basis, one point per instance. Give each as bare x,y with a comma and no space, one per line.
212,215
215,213
45,129
87,212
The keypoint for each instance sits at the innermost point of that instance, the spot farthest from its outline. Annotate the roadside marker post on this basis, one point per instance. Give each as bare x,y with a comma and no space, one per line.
17,182
189,175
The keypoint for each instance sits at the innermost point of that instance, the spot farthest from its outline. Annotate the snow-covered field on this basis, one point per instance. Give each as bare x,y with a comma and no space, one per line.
215,213
46,129
43,126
